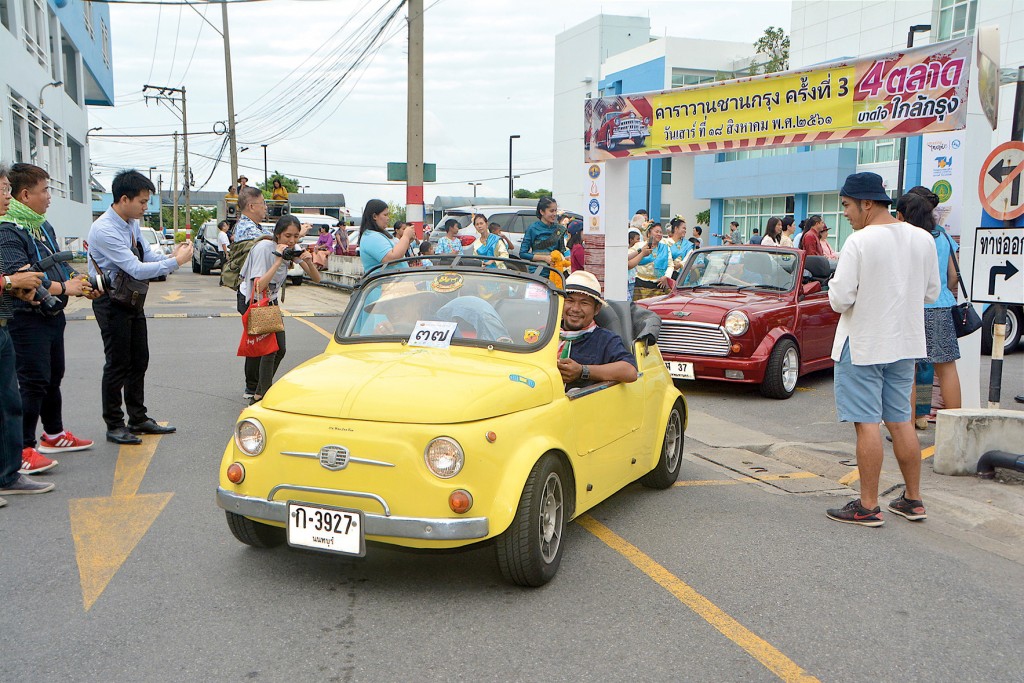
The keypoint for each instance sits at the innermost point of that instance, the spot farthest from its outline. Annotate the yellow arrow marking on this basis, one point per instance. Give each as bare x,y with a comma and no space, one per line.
173,295
106,530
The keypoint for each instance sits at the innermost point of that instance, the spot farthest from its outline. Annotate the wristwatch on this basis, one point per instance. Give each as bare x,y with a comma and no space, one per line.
7,282
585,373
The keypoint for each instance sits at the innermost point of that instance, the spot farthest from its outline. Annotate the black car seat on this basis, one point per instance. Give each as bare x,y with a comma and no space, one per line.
819,268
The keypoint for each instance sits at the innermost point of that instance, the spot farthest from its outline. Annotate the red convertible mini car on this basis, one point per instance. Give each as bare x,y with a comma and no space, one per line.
756,315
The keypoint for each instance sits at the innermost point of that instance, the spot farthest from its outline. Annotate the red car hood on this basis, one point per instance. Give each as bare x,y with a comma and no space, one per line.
708,306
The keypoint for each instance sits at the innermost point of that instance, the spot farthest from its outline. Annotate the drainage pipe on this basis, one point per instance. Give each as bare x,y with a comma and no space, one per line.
993,459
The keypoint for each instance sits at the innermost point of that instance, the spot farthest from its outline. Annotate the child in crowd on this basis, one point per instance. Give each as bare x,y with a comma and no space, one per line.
426,249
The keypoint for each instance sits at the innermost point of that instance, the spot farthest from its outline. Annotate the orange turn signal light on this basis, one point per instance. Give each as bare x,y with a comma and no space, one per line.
236,473
491,437
460,501
735,348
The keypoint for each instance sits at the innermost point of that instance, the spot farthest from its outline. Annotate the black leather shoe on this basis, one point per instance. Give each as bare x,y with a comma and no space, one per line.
122,436
1019,399
151,427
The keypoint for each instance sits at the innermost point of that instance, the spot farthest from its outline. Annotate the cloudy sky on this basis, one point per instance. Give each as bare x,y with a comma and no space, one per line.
489,67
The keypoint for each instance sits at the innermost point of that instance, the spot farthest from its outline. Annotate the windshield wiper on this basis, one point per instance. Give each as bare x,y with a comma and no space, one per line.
773,287
717,284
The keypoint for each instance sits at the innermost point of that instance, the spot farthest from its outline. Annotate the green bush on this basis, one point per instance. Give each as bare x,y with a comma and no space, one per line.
179,237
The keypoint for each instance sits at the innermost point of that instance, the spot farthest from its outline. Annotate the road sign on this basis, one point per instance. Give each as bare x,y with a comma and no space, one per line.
996,276
1000,183
397,172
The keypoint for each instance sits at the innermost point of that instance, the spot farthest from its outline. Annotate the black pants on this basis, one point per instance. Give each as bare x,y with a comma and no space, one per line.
39,347
260,371
126,347
10,412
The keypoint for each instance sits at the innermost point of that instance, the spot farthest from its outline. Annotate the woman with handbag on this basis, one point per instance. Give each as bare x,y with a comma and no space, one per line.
260,282
915,207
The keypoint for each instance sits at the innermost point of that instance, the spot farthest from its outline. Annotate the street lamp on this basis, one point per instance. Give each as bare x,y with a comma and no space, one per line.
901,171
91,130
54,84
510,139
265,181
474,185
151,169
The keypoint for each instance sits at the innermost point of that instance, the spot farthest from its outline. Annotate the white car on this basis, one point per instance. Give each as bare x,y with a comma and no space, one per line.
156,245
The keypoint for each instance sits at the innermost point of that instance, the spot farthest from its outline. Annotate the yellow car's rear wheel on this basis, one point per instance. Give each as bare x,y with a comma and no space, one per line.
252,533
530,550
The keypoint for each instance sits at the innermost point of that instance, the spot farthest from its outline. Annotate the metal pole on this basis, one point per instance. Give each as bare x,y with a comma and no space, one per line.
901,169
230,93
995,380
414,121
160,194
188,171
174,184
266,182
510,178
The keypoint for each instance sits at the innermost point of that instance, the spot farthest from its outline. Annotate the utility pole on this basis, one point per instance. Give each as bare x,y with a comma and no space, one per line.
160,194
266,182
231,94
174,184
172,97
414,120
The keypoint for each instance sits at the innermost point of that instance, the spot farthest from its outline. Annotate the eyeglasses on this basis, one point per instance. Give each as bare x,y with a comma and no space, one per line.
5,190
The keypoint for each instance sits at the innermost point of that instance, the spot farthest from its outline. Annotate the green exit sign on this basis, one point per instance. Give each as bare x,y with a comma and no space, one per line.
397,172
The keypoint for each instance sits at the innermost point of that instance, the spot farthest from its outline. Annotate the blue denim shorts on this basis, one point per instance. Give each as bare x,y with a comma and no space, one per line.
873,393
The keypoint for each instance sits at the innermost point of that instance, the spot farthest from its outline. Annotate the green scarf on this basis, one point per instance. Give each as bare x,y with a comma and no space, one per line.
26,218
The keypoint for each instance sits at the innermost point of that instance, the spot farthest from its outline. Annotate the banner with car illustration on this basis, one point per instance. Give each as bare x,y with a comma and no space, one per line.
910,92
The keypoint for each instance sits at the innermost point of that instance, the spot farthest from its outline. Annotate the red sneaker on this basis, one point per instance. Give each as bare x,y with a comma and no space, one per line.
64,443
34,463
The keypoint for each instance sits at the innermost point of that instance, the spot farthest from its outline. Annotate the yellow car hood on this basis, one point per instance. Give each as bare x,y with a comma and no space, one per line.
417,386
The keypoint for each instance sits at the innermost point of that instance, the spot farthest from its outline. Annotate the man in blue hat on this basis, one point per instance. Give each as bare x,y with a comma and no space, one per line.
885,276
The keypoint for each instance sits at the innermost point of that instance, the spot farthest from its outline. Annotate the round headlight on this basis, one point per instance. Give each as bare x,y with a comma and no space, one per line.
250,437
444,457
736,323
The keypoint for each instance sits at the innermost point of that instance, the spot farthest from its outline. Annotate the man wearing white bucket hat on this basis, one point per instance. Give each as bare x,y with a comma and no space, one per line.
588,353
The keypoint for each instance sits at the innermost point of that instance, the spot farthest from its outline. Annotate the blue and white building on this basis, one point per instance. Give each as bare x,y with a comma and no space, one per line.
55,59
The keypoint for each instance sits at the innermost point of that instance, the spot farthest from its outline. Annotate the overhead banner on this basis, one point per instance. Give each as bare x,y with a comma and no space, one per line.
942,171
910,92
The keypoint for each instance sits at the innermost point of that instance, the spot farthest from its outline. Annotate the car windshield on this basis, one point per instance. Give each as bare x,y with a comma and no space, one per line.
150,236
740,269
438,308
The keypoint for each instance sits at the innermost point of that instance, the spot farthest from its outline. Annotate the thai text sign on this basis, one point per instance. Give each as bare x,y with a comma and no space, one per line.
914,91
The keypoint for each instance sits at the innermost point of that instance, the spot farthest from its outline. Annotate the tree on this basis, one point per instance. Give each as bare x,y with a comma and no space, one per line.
704,217
397,212
774,44
290,184
523,193
199,216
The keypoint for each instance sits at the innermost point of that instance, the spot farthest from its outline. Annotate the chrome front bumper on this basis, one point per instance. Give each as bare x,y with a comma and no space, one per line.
375,525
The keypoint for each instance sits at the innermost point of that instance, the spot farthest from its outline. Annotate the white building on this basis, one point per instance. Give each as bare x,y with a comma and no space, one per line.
54,60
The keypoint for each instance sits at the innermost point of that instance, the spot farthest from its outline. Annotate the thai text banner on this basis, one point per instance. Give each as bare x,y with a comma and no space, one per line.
910,92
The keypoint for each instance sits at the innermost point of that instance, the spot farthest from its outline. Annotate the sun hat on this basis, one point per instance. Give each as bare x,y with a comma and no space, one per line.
585,283
865,186
396,291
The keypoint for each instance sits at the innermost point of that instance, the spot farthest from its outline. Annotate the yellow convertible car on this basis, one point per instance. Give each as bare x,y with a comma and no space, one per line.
436,418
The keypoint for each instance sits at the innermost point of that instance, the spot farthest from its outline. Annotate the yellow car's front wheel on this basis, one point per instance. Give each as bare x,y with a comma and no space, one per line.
530,550
252,533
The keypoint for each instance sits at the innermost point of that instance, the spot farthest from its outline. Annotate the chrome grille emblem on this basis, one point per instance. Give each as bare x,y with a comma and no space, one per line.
680,314
334,457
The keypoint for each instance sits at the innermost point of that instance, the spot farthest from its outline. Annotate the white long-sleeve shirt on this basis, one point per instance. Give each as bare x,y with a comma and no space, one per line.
885,276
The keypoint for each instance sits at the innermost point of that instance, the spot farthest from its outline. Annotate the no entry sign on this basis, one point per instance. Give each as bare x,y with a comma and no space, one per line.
1000,183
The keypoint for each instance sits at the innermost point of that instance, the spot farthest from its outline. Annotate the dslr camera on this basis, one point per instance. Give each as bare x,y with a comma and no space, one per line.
291,253
49,305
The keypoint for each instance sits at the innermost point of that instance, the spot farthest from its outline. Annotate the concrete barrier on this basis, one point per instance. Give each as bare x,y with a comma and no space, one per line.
963,435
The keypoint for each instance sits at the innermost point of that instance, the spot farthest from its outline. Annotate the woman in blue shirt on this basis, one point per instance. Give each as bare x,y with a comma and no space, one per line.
375,246
544,235
653,266
916,208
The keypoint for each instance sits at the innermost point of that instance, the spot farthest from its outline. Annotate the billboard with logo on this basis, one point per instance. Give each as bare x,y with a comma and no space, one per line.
942,163
910,92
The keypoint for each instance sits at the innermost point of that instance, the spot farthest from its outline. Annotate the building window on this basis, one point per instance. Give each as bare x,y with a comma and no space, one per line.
5,14
740,154
105,35
666,215
830,207
684,77
70,55
753,212
87,17
957,18
54,43
39,141
34,29
76,171
666,171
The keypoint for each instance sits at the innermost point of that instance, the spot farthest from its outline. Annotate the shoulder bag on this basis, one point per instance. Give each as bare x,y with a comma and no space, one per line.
263,317
966,320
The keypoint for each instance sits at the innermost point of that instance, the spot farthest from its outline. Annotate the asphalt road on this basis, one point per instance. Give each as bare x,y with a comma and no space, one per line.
718,579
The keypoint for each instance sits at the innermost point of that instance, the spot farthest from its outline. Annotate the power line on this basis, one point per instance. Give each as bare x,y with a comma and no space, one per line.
156,42
174,52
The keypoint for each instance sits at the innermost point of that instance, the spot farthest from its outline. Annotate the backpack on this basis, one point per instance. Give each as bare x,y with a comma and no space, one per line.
232,268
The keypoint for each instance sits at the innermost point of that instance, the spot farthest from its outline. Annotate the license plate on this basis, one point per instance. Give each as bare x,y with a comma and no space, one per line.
679,369
324,528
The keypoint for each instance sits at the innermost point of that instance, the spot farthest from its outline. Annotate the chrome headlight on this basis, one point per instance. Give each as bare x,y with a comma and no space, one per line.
250,436
444,457
736,323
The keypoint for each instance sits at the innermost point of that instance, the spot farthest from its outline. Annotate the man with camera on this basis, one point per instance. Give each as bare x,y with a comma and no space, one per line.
21,284
124,261
37,327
